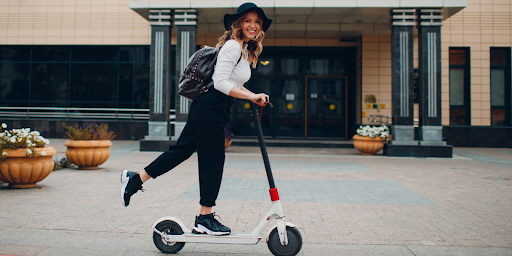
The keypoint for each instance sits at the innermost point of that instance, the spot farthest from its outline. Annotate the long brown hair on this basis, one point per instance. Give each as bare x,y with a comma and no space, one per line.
254,46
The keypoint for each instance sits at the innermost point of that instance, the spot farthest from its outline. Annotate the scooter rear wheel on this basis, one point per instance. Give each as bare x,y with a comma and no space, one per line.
170,228
294,242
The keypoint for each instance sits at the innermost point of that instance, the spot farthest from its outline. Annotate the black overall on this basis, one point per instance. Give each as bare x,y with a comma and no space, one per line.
204,133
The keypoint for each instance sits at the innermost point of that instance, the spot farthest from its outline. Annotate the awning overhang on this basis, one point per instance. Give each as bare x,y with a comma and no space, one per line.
305,19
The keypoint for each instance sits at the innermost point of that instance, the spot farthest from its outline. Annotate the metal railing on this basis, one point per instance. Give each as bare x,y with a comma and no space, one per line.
387,120
79,113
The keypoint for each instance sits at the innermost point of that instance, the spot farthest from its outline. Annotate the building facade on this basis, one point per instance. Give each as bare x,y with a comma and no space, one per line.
439,71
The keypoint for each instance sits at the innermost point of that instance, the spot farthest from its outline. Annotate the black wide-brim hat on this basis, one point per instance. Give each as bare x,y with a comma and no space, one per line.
243,9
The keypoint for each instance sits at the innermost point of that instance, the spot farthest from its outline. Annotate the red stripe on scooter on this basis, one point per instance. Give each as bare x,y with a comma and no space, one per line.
274,195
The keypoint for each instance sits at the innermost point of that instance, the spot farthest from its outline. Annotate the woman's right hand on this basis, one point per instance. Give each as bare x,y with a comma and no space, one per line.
263,98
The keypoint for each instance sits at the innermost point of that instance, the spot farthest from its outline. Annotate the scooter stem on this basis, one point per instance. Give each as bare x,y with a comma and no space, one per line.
263,148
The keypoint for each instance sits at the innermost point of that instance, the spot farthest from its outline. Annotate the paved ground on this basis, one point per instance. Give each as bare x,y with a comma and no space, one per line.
342,202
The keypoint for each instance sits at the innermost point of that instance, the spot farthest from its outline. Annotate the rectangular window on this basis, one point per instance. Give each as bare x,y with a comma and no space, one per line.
460,86
500,86
75,76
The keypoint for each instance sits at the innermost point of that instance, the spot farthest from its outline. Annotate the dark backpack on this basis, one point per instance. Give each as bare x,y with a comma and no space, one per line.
196,79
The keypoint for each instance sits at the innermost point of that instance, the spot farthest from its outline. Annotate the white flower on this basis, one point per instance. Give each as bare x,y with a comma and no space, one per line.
4,125
4,153
43,153
13,139
29,151
373,132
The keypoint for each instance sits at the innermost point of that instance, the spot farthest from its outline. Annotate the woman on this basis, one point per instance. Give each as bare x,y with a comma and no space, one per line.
240,47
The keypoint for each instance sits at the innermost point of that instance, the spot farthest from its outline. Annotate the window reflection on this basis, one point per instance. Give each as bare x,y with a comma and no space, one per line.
48,76
290,66
94,82
14,84
290,107
14,53
265,66
50,84
50,53
319,67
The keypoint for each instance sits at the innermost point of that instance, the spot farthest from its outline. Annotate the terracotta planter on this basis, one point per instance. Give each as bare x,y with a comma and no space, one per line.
367,145
88,154
227,142
21,171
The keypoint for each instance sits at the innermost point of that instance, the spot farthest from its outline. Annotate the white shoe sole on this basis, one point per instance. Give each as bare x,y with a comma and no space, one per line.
124,181
203,230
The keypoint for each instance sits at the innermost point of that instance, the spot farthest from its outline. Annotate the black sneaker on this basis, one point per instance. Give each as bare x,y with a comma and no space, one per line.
207,224
129,186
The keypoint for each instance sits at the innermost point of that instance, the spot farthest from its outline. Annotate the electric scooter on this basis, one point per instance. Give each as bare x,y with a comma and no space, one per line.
283,239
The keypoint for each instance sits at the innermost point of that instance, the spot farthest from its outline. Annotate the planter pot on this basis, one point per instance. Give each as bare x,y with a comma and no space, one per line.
367,145
88,154
227,142
21,171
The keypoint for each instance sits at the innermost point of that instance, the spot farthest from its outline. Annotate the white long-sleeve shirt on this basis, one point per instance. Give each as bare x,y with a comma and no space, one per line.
228,73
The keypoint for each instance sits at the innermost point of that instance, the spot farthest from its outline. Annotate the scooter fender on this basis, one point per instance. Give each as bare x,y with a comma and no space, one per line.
171,218
288,224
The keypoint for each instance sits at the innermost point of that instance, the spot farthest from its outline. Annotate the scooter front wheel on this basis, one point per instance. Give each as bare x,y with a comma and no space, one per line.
170,228
294,242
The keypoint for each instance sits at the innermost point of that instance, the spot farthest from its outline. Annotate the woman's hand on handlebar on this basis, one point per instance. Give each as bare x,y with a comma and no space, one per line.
259,98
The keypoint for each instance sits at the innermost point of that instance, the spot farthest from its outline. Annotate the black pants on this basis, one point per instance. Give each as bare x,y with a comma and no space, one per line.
204,133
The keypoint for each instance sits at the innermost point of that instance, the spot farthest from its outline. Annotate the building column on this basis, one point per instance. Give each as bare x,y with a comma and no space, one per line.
185,21
402,76
160,76
429,76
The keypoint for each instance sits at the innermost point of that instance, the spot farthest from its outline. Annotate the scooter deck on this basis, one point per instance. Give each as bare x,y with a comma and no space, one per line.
227,239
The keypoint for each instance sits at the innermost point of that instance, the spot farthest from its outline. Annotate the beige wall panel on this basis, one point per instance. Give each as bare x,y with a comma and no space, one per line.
370,63
142,40
385,54
314,42
283,42
476,121
370,39
367,79
367,54
330,42
385,96
299,42
368,87
371,71
476,97
112,40
371,46
26,40
58,20
385,63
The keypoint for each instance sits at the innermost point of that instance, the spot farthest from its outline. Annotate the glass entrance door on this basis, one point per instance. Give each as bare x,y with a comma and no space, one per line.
326,100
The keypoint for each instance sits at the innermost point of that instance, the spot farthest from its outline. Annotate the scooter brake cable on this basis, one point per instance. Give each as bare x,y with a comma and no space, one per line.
261,112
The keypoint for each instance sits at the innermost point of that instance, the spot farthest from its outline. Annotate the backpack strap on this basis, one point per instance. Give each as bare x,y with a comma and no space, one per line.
239,59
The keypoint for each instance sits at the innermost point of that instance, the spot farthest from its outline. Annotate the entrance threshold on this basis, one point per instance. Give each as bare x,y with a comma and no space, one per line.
294,143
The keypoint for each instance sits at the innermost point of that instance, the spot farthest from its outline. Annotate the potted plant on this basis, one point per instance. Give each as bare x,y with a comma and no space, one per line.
228,134
88,145
370,139
25,159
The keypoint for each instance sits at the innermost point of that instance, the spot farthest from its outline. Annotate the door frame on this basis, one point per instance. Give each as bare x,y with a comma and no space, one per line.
306,103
